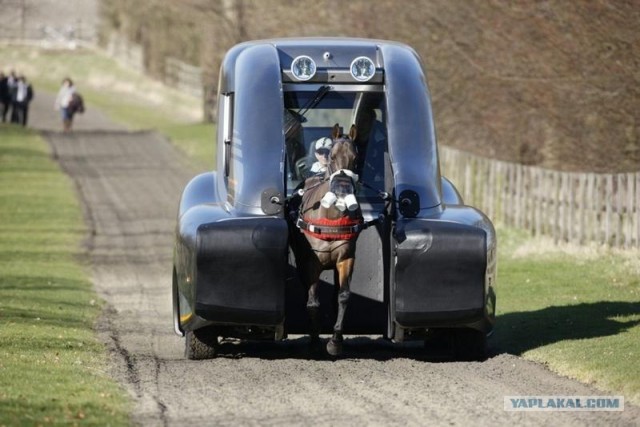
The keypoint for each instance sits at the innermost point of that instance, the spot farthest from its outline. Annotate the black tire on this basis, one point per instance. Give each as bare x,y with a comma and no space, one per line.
469,344
176,305
201,344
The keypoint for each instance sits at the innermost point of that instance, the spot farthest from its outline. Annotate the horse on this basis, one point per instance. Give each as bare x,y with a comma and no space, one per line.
329,221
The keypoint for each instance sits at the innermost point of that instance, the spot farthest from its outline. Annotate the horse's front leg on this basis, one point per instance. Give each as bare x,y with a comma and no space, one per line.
344,269
311,277
313,309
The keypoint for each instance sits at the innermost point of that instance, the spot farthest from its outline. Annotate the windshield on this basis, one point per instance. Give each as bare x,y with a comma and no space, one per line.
309,117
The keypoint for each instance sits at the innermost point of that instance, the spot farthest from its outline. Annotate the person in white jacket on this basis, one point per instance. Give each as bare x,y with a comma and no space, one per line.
63,103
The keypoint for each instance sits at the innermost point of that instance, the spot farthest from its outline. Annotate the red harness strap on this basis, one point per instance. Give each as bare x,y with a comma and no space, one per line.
343,228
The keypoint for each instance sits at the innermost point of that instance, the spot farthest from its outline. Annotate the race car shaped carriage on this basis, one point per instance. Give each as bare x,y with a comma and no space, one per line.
328,193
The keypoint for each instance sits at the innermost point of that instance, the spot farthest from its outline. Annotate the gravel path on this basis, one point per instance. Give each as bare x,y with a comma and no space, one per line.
129,184
42,116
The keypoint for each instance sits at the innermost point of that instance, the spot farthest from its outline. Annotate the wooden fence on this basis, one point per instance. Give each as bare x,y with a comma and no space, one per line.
180,75
125,52
187,78
570,207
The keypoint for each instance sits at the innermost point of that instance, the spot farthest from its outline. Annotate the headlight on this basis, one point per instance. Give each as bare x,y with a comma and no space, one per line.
303,68
362,69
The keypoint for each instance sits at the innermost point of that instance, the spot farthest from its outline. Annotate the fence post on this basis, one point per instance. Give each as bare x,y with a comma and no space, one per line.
556,206
617,209
628,234
592,233
636,206
609,210
600,209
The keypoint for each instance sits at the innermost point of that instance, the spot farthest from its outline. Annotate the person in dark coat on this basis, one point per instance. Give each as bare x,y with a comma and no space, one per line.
5,96
12,84
22,97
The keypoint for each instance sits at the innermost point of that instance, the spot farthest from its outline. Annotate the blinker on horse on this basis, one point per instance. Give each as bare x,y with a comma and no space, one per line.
330,221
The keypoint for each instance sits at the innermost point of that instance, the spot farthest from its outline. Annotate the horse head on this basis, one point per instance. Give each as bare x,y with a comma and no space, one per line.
343,150
342,178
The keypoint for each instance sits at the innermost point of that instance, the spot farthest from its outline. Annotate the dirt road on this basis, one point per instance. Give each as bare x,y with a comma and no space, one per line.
130,184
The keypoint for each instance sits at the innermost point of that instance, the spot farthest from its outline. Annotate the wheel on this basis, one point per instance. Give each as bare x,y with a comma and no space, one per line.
469,344
201,344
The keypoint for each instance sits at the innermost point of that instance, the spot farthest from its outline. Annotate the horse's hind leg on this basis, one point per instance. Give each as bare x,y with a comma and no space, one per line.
344,268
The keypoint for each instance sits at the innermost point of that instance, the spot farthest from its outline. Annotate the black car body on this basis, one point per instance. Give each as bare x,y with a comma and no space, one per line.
429,263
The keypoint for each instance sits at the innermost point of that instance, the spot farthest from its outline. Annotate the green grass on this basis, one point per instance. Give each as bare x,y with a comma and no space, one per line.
52,366
574,309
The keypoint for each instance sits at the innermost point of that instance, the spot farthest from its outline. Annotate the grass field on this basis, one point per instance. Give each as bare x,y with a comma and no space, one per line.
576,310
52,366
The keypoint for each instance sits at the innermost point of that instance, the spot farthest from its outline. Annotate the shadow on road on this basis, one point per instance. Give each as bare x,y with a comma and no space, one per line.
355,348
515,334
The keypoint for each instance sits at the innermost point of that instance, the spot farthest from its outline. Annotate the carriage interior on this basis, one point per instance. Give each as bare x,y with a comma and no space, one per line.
365,109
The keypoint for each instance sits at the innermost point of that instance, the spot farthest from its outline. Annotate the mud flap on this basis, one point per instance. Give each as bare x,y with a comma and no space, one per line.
240,271
440,273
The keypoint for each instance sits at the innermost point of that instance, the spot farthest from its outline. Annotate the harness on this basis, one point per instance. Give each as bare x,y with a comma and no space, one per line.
344,228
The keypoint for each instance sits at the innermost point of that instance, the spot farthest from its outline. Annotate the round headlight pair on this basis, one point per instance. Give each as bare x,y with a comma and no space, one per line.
304,68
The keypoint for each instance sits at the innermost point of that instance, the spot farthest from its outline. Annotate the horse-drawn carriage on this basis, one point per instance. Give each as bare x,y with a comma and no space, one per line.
256,253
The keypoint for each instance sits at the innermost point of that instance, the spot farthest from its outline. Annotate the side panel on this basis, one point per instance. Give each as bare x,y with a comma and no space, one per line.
241,270
256,160
411,134
197,205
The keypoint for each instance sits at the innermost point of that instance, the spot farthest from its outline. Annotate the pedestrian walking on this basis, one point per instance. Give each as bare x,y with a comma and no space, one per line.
5,96
12,84
23,97
63,103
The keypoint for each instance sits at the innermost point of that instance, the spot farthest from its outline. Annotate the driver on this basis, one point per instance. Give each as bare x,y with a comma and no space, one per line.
322,147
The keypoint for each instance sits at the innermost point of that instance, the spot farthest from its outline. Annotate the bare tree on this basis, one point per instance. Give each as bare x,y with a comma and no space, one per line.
12,9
